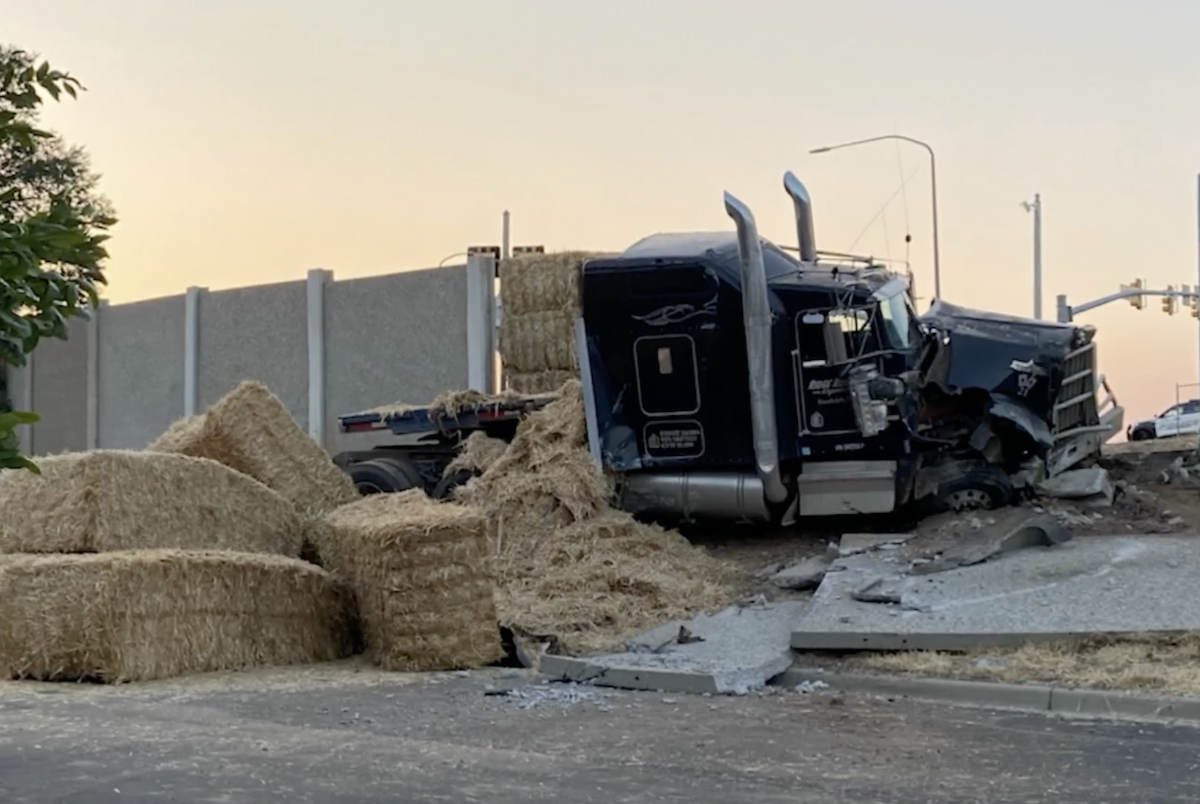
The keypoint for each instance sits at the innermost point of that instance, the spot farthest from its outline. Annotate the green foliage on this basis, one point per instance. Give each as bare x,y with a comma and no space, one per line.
53,225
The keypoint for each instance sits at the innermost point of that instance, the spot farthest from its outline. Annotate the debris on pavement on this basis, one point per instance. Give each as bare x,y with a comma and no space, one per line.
742,649
854,543
564,695
805,575
1015,529
1098,585
1089,485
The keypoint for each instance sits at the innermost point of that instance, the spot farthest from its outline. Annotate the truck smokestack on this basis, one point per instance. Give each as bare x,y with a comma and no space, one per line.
756,311
805,236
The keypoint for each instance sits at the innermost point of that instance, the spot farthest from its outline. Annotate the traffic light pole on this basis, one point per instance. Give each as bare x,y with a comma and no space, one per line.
1067,312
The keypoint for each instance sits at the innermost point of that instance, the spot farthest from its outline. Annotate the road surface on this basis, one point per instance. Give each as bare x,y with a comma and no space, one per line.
358,738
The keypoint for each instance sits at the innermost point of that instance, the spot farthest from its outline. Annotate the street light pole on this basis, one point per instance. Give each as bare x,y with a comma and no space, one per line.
937,268
1036,208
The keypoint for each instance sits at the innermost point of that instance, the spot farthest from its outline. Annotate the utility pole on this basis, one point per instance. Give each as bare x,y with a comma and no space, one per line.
1036,208
504,237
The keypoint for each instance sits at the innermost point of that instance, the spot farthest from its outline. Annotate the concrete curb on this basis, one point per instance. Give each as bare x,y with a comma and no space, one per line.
1027,697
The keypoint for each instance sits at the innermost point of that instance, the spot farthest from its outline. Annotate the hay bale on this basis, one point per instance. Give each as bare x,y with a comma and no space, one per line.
251,431
121,500
147,614
540,382
536,342
536,283
569,564
421,574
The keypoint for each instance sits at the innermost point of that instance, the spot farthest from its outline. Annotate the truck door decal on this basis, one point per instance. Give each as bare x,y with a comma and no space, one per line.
677,438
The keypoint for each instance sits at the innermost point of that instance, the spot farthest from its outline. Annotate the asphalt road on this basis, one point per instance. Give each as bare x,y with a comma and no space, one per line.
358,738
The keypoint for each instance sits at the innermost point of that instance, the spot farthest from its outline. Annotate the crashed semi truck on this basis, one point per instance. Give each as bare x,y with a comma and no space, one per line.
726,379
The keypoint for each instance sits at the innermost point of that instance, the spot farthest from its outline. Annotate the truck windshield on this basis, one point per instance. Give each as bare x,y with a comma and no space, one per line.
896,311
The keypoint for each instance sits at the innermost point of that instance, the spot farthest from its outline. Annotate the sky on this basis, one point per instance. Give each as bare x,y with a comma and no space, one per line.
247,141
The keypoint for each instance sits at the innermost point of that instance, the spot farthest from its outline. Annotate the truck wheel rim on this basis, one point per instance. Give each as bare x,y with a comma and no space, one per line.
968,499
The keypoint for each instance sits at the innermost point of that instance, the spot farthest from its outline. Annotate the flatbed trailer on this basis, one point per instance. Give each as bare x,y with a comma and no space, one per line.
432,436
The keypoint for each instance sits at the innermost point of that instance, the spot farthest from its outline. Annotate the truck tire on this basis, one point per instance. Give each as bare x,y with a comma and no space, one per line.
385,476
445,487
981,486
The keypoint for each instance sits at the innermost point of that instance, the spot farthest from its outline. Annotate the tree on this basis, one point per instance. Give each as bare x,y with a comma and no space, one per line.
53,226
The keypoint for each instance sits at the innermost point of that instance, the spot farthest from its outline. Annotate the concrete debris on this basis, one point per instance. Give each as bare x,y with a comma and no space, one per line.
1015,530
805,575
1084,587
811,686
990,663
1091,484
564,695
743,649
855,543
874,591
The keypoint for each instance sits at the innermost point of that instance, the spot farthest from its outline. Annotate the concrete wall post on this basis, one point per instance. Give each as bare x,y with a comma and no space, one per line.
318,278
481,300
191,350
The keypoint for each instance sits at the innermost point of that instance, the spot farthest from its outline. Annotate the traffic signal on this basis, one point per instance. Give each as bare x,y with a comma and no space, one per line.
1170,302
1137,300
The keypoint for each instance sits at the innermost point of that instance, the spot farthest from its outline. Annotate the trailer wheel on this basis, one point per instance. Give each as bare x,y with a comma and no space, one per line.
385,476
980,486
446,486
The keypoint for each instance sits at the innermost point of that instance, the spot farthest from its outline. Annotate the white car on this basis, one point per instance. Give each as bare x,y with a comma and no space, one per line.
1179,419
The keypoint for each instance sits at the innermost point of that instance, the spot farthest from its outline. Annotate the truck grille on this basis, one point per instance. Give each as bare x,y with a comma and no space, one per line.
1075,406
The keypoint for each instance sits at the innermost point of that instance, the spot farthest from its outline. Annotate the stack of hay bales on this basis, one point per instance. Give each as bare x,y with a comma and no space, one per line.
542,298
124,566
421,574
569,564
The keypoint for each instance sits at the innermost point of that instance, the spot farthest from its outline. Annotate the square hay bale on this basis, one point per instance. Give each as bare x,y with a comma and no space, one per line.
537,342
123,500
536,283
421,573
540,382
251,431
147,614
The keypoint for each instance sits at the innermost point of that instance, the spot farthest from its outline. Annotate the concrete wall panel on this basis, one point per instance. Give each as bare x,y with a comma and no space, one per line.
140,371
257,333
60,392
395,338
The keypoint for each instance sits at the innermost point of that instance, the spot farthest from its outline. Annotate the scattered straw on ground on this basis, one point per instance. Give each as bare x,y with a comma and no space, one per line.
1166,663
146,614
423,580
118,500
251,431
540,382
477,454
569,564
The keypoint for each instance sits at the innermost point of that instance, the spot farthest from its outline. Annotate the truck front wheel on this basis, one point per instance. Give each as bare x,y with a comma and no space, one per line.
385,476
973,486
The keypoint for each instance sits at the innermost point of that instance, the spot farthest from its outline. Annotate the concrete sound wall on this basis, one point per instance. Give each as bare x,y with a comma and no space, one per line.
323,347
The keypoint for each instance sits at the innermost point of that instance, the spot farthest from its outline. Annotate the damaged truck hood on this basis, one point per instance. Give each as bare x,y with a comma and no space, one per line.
1018,361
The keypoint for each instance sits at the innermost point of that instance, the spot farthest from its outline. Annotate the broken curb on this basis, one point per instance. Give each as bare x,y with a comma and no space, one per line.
998,695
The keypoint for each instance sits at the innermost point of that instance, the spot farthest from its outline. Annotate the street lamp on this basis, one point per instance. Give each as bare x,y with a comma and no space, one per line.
1035,207
937,271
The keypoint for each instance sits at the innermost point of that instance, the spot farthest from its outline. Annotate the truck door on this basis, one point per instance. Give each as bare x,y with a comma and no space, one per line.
827,341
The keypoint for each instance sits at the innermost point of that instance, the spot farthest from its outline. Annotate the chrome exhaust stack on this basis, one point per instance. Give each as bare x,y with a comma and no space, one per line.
756,312
805,235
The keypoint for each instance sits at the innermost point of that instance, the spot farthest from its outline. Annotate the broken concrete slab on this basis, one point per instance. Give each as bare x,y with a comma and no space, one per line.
854,543
1091,483
805,575
1015,529
1098,585
742,649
